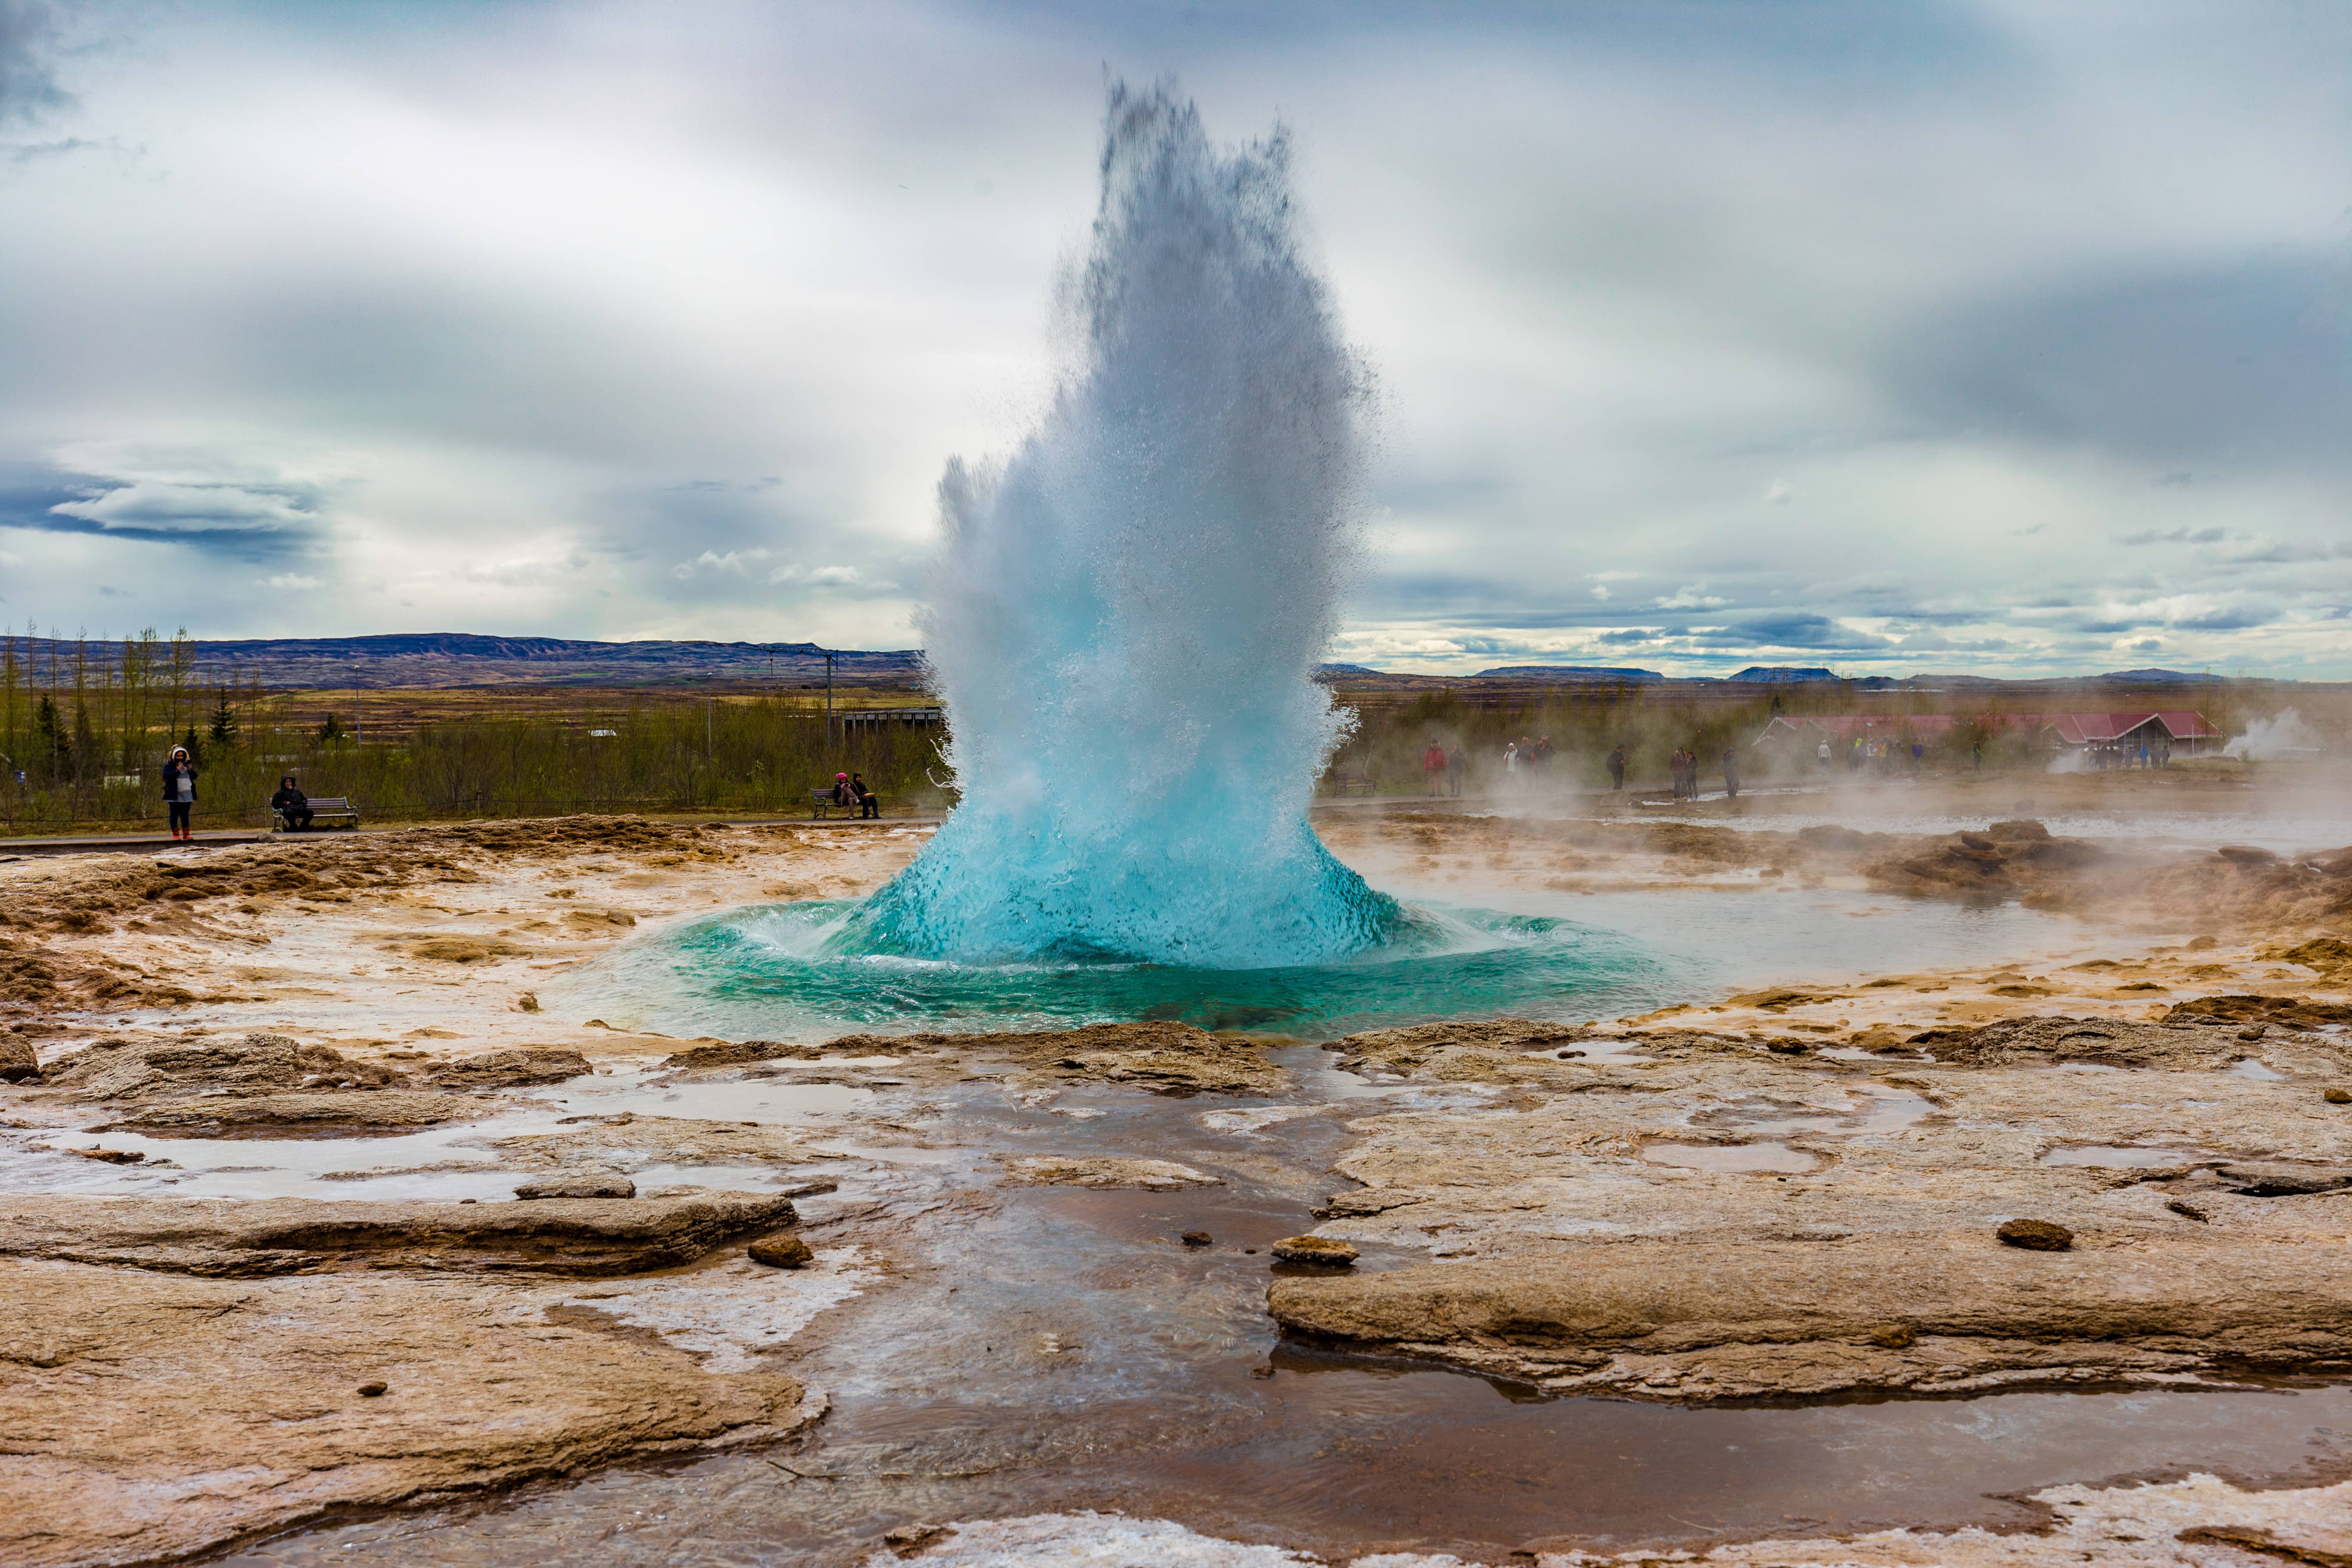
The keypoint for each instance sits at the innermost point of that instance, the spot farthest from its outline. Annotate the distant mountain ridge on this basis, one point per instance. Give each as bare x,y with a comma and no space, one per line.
454,659
427,659
1579,672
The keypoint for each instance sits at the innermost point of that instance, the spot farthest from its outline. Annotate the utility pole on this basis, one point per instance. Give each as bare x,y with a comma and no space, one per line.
828,696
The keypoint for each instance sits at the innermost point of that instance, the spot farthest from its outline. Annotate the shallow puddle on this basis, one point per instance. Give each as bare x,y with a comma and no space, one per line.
1735,1158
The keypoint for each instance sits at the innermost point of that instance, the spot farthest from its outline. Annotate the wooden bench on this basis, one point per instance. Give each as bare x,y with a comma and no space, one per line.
821,805
1351,784
326,810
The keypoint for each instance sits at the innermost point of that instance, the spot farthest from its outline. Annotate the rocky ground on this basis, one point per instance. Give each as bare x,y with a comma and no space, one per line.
1791,1191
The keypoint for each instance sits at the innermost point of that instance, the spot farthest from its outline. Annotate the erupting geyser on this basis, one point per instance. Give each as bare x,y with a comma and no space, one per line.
1127,614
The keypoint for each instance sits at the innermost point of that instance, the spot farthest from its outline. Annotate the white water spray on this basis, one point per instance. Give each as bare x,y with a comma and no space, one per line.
1126,618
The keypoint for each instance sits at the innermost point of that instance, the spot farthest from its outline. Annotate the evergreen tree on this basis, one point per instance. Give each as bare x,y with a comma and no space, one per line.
332,732
195,745
223,729
52,747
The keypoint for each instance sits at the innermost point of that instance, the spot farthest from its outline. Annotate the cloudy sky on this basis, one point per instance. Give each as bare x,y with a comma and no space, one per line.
2006,337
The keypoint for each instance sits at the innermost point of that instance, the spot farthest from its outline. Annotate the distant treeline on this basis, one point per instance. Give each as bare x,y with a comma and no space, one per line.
83,736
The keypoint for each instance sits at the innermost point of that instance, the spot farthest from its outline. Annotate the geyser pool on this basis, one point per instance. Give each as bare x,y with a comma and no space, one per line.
788,971
1126,618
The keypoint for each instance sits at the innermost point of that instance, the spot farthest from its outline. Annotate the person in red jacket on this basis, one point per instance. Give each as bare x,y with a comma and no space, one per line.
1433,768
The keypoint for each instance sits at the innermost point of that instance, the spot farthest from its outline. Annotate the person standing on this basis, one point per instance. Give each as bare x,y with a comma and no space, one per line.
1457,763
1731,773
1823,754
1617,767
1510,758
180,792
1432,769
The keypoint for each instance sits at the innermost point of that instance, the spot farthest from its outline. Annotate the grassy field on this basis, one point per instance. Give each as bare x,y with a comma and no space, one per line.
419,755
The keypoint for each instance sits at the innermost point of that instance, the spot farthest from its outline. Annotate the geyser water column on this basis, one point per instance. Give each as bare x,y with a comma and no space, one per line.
1125,617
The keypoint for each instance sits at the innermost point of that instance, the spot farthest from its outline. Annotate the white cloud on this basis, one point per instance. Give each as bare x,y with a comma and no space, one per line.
187,508
735,562
1693,596
818,577
293,582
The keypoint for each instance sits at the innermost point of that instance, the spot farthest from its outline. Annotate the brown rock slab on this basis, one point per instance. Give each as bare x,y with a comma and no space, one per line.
2289,1012
1101,1170
579,1187
242,1238
783,1252
243,1404
2035,1235
2283,1179
512,1070
461,948
631,1142
250,1065
327,1115
1317,1249
2110,1041
1716,1321
736,1053
17,1060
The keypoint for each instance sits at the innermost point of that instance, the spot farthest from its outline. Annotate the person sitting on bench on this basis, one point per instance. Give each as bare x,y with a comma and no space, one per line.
867,803
292,803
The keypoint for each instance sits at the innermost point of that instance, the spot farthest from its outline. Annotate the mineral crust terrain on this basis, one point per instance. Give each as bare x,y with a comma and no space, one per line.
1802,1191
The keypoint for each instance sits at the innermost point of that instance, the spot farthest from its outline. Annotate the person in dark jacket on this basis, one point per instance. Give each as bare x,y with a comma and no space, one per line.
180,790
1617,768
292,803
842,793
1731,773
868,803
